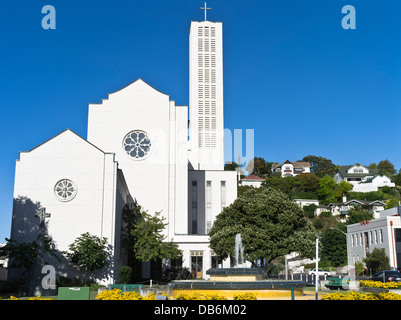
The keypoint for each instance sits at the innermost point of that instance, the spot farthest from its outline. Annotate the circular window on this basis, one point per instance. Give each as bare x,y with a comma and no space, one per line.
65,190
137,144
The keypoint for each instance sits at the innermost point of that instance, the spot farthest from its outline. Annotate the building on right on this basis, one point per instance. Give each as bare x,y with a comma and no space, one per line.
383,232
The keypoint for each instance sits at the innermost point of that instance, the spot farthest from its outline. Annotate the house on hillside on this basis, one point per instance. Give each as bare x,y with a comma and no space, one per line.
342,208
251,180
307,202
288,169
362,178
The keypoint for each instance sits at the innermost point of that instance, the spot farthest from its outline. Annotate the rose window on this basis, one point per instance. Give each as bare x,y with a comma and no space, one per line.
137,144
65,190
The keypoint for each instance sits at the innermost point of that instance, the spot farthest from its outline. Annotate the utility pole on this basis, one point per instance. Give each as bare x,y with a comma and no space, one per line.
316,269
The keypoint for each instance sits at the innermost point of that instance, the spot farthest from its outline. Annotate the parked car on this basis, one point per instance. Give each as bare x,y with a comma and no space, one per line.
387,276
321,272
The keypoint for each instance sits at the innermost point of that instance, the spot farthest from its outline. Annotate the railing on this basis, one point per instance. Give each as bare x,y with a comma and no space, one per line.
309,279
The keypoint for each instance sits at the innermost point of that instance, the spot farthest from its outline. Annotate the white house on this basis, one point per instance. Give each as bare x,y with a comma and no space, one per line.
137,147
342,208
288,168
362,178
383,232
251,180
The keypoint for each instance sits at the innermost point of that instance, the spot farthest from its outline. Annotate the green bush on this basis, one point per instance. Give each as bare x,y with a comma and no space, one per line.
325,214
124,274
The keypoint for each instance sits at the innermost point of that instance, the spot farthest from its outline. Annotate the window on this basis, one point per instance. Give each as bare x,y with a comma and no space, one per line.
381,235
398,235
223,194
194,213
137,145
65,190
208,206
353,241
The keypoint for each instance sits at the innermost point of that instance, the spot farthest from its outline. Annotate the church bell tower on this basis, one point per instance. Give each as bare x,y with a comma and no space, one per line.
206,128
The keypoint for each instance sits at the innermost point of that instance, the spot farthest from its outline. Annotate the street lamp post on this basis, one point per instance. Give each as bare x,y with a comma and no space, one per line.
338,230
316,268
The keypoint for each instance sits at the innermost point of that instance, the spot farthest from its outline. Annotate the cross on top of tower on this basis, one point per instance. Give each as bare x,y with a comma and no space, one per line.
205,8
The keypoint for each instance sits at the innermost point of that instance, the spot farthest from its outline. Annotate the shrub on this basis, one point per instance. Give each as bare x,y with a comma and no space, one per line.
245,296
124,274
379,284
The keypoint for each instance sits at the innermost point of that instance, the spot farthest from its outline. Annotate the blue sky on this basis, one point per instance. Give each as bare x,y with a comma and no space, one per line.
291,72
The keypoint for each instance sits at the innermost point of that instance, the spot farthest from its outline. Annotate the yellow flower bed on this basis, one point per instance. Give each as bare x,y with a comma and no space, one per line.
117,294
197,296
33,298
351,295
379,284
245,296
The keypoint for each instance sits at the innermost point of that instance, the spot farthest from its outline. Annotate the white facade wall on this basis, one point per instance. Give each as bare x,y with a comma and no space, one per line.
93,209
374,185
212,196
253,183
306,202
378,233
159,181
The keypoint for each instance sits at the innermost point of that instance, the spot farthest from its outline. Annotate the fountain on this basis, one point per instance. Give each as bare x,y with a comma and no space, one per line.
239,250
238,279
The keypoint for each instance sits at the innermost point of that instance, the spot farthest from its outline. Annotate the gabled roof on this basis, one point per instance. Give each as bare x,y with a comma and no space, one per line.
59,134
364,202
253,177
356,201
297,164
343,171
138,81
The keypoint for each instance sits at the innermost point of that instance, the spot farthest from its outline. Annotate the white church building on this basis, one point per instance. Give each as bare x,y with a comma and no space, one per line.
137,147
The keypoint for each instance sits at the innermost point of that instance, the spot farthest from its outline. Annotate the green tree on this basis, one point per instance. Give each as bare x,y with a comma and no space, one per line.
270,224
22,255
310,210
230,166
377,260
397,179
320,166
150,243
278,183
334,247
259,166
386,167
88,252
358,214
326,189
342,188
392,203
131,215
307,182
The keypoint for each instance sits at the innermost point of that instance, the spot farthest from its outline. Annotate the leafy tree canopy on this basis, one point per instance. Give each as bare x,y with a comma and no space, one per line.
270,225
386,167
89,252
377,260
358,214
259,166
149,241
321,166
